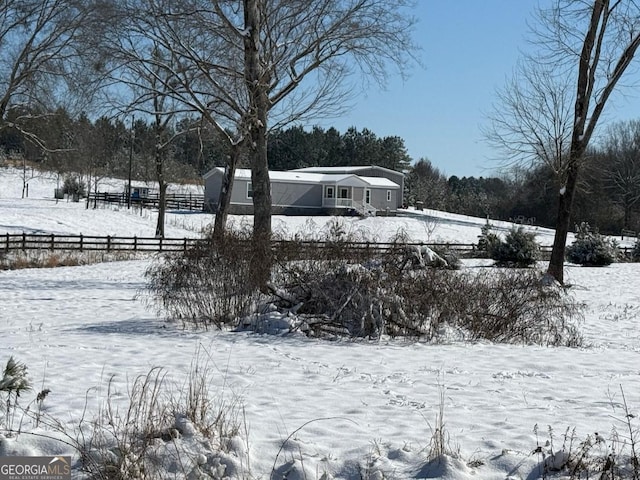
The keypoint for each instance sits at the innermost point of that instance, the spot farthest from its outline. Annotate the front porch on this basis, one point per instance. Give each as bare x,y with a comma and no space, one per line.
348,197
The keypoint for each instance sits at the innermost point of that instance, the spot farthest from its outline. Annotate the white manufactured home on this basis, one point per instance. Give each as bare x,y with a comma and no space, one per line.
312,191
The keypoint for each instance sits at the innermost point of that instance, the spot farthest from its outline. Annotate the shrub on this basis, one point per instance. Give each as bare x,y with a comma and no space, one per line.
518,249
487,239
209,284
450,256
356,291
384,296
590,248
74,186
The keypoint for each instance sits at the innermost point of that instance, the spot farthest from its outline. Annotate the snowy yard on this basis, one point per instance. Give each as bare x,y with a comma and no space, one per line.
362,408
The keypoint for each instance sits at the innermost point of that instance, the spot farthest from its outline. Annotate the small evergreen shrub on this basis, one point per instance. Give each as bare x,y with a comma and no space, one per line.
74,186
590,248
518,249
487,240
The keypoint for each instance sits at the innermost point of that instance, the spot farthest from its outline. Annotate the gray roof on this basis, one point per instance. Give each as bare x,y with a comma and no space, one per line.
300,176
346,169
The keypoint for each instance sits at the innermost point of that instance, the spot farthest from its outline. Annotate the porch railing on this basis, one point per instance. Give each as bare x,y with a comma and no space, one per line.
337,202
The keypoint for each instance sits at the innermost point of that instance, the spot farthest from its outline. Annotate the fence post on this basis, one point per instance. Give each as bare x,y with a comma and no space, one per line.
185,245
135,243
81,242
24,241
53,242
160,243
108,243
6,247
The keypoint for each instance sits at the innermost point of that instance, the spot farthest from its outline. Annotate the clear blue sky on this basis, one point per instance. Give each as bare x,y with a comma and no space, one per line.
469,49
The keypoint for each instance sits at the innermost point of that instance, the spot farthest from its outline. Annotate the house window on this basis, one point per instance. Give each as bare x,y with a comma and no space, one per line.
343,193
388,195
329,192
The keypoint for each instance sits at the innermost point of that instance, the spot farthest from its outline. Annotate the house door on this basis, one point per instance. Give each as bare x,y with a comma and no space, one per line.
367,196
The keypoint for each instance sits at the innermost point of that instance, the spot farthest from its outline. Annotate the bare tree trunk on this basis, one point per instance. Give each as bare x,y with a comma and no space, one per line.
162,186
224,200
24,177
563,219
257,86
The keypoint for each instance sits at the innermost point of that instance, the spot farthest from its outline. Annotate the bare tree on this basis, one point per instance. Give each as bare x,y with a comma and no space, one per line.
591,44
39,41
531,120
297,58
251,65
147,86
198,71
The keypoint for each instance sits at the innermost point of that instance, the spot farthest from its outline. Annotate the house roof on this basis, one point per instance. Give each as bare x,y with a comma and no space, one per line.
297,176
347,169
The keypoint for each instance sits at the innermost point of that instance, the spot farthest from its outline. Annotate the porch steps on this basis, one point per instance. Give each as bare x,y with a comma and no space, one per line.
365,210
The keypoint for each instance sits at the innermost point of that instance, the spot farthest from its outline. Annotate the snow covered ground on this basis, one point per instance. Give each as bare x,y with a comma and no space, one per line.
349,410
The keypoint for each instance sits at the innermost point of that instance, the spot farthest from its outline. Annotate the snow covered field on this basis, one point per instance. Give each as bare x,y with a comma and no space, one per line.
371,405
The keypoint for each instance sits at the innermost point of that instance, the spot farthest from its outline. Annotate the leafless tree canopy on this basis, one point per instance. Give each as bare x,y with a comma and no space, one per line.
308,51
39,41
531,122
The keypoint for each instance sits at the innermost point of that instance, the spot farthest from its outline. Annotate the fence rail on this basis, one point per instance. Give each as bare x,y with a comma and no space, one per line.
173,201
25,241
109,243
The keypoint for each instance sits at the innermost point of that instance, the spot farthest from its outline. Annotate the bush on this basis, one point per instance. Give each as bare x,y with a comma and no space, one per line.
518,249
590,248
356,291
487,240
451,257
388,296
74,186
210,284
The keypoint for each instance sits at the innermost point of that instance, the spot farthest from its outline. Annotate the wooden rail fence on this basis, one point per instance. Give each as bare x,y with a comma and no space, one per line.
112,243
174,201
25,241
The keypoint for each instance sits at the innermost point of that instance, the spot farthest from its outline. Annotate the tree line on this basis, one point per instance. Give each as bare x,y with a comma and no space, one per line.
104,146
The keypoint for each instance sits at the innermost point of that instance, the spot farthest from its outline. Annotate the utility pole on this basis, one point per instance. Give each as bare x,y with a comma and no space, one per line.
132,136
